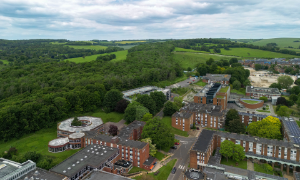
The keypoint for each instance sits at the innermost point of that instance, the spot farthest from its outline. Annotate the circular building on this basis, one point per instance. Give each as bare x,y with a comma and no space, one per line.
65,128
58,145
252,103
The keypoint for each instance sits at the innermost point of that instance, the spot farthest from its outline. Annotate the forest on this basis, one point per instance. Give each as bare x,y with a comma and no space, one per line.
35,96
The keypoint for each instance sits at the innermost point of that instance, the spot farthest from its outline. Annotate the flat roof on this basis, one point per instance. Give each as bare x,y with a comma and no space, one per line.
97,174
58,142
8,167
251,89
39,173
92,155
203,140
292,129
217,77
66,124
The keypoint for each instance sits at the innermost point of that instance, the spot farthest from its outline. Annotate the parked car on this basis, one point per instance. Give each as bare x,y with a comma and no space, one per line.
174,147
198,128
176,143
188,82
173,170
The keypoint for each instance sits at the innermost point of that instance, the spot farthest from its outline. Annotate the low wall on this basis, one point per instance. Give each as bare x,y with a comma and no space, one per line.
252,106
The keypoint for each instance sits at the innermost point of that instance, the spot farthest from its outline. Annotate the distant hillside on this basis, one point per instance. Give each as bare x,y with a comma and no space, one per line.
282,43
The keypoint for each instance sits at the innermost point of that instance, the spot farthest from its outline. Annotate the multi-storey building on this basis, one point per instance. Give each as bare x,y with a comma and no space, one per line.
215,94
217,78
182,121
10,170
257,92
247,117
133,131
282,153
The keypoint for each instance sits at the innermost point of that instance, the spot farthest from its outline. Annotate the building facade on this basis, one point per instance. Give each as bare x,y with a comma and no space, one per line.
257,92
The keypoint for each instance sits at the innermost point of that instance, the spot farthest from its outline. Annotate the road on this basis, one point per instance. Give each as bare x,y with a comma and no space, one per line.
182,155
184,83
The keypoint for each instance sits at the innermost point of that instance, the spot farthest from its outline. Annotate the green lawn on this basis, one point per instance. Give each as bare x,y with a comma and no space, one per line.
178,49
121,55
241,164
58,43
128,42
136,169
164,171
38,142
190,59
218,96
253,53
224,89
242,91
95,47
159,155
251,101
168,121
260,168
200,83
263,111
107,117
4,61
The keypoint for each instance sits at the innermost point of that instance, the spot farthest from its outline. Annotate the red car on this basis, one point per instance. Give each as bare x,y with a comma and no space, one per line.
198,128
176,143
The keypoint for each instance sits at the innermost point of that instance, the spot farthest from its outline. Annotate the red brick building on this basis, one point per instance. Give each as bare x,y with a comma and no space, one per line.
133,131
217,78
182,121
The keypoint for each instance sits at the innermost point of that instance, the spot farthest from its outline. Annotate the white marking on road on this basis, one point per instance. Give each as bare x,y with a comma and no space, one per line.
181,167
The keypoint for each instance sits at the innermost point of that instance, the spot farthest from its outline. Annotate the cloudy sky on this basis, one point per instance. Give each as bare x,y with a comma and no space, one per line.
148,19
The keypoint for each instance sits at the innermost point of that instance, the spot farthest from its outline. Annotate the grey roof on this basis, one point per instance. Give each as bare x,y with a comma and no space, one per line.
292,129
270,158
93,123
203,140
42,174
251,114
297,175
126,131
149,161
98,175
7,169
10,168
92,155
251,89
217,77
182,114
194,174
214,110
209,90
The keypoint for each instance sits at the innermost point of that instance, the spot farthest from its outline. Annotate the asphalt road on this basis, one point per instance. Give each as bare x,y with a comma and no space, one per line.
182,155
185,83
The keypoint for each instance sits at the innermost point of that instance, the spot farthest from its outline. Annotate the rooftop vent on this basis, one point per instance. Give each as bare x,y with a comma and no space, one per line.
26,178
73,165
105,151
77,162
81,159
69,167
36,173
101,154
64,171
85,156
93,151
296,145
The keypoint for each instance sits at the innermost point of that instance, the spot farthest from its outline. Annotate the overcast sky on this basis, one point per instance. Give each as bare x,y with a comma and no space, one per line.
148,19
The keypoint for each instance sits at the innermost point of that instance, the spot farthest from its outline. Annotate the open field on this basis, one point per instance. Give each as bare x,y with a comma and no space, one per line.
281,42
163,84
38,142
200,83
178,49
168,121
189,59
164,171
58,43
254,53
128,42
121,55
241,164
4,61
95,47
127,46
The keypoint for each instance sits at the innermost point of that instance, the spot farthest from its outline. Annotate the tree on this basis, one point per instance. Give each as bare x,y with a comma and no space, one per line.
265,99
284,111
113,130
281,101
268,127
257,67
152,147
285,81
111,99
159,133
189,69
233,60
297,82
231,115
247,83
238,153
134,111
121,106
178,101
147,117
33,156
170,108
293,97
147,102
275,85
294,90
159,98
226,149
236,85
236,126
210,61
76,122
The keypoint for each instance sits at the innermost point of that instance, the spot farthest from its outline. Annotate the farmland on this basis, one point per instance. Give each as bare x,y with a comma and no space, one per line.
128,42
254,53
95,47
281,42
177,49
121,55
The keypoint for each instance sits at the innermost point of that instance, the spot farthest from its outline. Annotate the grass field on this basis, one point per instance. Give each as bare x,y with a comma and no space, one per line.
128,42
189,59
164,171
241,164
121,55
254,53
159,155
224,89
263,111
38,142
58,43
168,121
127,46
200,83
163,84
136,169
95,47
251,102
4,61
178,49
107,117
281,42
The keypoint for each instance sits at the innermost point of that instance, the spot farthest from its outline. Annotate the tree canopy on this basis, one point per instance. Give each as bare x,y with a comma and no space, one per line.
134,111
170,108
236,126
111,99
152,147
231,115
230,150
268,127
285,81
159,99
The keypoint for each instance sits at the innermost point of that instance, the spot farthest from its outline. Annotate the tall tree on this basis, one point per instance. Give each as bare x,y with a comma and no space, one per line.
227,149
170,108
236,126
284,111
121,106
266,128
152,147
281,101
159,133
159,99
147,102
233,60
238,153
113,130
147,117
236,85
134,111
231,115
285,81
111,99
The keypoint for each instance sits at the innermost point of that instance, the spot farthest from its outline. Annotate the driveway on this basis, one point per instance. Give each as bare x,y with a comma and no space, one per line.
182,155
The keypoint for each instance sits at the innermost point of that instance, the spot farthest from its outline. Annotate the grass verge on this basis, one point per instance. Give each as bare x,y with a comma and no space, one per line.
241,164
136,169
263,111
159,155
200,83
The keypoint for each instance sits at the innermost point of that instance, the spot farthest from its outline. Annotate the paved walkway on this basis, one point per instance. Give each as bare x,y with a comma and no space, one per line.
271,109
289,177
250,165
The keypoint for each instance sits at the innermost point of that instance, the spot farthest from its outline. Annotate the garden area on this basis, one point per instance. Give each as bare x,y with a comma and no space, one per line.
264,109
267,169
159,155
200,83
241,164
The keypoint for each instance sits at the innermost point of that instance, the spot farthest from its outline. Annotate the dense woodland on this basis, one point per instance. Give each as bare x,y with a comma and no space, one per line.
36,96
